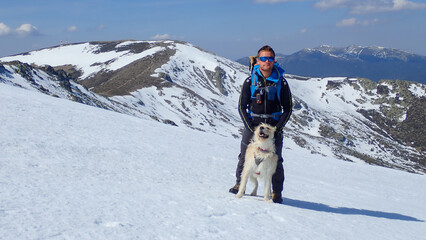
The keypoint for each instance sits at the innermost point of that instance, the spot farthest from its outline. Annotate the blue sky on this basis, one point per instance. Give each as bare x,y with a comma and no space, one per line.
230,28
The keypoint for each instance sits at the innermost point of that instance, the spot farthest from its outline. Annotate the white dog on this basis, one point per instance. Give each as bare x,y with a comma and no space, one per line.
260,161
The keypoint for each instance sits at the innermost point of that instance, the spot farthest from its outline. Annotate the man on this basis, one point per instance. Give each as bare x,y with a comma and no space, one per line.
265,97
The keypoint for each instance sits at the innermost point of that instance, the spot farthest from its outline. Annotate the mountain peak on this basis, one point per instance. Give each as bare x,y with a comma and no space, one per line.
355,51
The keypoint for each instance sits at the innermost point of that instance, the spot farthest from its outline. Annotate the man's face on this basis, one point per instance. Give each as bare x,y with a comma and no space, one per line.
268,64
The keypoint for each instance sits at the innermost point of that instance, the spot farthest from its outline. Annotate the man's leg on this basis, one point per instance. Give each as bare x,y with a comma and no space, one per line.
278,177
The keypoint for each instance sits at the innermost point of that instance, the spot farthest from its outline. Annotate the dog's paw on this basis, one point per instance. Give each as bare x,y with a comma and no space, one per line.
239,195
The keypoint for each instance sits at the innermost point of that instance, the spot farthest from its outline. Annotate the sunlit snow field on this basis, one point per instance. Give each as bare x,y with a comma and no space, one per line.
71,171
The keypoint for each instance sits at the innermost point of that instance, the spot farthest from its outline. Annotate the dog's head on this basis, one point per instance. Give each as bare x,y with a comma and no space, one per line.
264,131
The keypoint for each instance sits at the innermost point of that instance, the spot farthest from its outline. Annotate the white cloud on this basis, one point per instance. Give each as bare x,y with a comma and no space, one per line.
370,6
27,29
407,5
353,21
346,22
161,37
387,6
327,4
4,29
166,36
72,29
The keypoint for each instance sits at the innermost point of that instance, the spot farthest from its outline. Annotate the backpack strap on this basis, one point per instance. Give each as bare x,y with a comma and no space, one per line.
253,85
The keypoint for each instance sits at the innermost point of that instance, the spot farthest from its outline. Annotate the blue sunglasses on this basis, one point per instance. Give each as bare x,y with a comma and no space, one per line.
270,59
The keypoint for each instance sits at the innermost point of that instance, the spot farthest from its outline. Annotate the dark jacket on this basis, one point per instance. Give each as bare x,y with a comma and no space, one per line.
249,103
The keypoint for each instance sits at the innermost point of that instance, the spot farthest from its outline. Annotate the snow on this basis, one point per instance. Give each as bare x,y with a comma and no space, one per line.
188,59
71,171
314,93
417,90
83,57
40,78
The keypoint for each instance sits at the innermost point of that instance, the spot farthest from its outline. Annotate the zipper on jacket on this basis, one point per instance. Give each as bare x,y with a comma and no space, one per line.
264,98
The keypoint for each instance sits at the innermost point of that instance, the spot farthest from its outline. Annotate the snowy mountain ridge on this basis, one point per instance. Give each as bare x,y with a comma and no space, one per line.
169,81
359,52
179,84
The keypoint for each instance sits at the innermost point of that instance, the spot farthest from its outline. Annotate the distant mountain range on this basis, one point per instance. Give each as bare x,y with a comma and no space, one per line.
176,83
374,63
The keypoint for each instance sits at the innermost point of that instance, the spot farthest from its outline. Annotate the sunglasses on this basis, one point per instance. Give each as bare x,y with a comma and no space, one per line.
270,59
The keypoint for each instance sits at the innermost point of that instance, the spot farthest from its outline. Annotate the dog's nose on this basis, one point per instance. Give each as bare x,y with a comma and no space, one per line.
261,128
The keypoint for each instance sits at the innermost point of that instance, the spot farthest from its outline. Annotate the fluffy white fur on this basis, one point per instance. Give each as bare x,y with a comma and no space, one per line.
260,161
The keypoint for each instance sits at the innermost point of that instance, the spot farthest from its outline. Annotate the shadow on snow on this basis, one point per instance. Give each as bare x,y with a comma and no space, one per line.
346,211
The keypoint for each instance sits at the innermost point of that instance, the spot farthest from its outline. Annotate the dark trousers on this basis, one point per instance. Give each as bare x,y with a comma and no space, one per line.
278,177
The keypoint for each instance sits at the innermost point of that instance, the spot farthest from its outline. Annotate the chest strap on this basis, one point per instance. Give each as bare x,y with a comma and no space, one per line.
266,116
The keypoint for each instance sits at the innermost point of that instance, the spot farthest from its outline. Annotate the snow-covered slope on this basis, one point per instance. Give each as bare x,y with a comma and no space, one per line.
57,84
354,120
71,171
172,82
179,84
